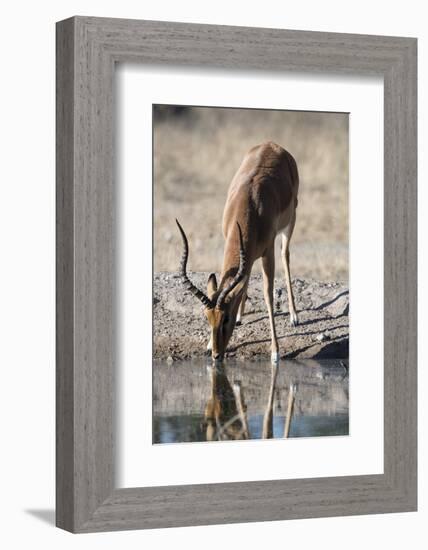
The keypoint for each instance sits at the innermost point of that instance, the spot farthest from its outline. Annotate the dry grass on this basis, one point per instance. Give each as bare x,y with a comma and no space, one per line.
198,150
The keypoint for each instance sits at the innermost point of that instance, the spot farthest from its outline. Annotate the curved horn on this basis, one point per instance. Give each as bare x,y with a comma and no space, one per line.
186,281
240,274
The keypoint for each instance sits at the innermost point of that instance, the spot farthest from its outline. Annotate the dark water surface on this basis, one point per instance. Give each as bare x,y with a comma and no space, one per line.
193,401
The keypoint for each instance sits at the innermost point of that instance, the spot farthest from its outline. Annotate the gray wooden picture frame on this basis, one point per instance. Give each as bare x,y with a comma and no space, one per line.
87,50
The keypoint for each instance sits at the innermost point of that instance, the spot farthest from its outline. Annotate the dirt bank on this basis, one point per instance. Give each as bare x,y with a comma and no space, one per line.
181,330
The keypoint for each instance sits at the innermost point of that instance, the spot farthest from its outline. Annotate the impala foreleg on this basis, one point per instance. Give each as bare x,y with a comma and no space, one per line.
268,265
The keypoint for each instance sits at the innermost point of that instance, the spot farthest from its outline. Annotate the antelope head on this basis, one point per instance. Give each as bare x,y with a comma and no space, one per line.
221,303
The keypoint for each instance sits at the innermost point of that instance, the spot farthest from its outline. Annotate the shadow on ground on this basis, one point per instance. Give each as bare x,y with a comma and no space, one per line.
47,515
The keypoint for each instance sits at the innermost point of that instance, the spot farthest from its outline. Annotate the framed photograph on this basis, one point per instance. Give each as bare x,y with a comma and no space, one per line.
236,274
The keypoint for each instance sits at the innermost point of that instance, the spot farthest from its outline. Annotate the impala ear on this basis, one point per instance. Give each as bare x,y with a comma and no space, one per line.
212,285
238,289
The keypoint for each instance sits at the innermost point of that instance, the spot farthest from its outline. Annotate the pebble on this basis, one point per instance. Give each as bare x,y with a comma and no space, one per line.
321,337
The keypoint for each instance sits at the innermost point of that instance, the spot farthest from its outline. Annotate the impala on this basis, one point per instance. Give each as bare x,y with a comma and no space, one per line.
261,202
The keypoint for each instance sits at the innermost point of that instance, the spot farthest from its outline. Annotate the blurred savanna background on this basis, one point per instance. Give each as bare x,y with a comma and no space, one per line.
197,151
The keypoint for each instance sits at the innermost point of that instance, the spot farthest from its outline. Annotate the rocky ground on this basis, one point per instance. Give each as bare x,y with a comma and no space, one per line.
181,330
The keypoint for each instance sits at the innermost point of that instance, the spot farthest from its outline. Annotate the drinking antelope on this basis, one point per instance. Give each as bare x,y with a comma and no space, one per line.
261,203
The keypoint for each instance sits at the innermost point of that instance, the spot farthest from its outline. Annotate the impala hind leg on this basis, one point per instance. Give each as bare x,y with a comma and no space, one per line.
268,265
285,255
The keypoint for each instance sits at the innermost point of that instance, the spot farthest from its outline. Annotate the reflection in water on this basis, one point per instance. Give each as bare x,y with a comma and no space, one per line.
193,401
225,413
